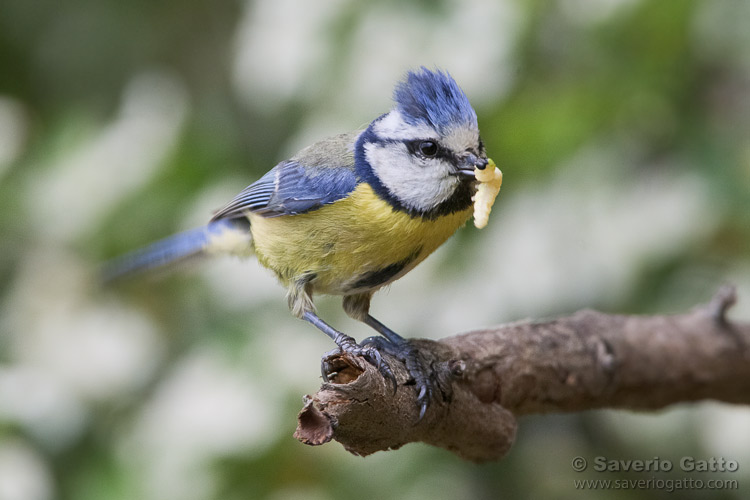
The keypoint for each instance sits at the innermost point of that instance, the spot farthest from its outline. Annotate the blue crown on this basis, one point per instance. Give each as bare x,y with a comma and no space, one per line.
433,98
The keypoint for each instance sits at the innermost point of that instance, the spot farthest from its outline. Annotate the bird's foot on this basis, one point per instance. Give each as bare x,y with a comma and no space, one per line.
415,367
347,344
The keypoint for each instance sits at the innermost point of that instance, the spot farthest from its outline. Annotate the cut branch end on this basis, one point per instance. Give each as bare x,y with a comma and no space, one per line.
488,378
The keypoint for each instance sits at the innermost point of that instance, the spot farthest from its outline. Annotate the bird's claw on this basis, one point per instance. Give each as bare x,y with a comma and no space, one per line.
419,373
422,381
370,352
378,344
372,349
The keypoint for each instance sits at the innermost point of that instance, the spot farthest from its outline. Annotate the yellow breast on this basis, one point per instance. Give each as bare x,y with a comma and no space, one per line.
355,244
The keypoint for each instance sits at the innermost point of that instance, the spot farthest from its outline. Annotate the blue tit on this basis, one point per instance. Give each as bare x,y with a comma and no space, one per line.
353,213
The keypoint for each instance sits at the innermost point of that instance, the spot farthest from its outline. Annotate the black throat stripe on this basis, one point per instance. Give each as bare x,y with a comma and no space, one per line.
379,277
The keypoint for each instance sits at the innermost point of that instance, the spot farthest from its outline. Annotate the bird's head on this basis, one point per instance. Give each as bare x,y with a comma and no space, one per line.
422,153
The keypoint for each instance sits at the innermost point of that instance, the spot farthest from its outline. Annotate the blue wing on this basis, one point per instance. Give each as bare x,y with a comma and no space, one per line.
316,177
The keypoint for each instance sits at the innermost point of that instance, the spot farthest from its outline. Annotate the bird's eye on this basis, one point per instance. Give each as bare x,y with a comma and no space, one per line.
428,148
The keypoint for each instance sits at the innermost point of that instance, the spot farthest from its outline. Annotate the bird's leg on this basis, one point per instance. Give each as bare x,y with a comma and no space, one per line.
347,344
357,306
300,301
399,347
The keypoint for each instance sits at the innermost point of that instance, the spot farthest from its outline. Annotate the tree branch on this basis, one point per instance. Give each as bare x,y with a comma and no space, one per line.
488,378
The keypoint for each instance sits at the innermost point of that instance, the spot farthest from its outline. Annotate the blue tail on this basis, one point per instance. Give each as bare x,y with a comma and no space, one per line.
169,250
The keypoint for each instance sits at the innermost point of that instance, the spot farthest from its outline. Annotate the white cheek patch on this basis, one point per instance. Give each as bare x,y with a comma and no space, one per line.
415,184
392,126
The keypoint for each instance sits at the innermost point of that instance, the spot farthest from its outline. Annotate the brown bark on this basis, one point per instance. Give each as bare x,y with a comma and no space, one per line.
488,378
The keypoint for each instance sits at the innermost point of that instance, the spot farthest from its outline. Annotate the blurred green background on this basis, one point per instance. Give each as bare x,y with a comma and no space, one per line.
623,131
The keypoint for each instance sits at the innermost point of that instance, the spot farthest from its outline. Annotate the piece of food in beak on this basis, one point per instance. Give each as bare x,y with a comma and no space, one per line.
490,179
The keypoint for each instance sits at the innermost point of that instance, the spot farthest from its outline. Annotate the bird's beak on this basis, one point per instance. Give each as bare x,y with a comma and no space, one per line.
469,163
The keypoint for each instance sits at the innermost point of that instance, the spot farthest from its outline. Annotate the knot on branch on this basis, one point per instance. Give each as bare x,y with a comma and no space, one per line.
724,298
359,409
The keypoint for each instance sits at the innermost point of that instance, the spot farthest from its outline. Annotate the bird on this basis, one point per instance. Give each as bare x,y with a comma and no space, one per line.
353,213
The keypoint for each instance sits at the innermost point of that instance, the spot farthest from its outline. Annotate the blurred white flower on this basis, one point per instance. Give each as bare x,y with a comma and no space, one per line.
201,411
24,475
723,429
284,52
69,198
279,46
43,406
100,349
68,348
